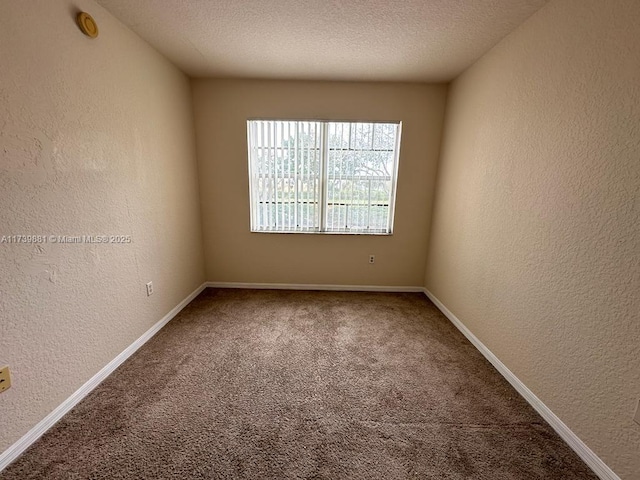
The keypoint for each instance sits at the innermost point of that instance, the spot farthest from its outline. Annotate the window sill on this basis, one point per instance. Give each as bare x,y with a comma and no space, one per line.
325,233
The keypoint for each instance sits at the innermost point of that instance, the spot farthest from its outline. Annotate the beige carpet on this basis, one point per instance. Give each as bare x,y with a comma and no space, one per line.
317,385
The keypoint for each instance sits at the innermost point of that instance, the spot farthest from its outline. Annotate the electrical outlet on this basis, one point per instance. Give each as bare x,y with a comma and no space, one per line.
149,289
636,417
5,378
372,259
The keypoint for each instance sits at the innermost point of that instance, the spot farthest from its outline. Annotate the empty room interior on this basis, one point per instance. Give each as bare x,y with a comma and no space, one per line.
320,239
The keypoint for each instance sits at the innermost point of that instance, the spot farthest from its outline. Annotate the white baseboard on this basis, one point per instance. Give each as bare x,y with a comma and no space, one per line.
586,454
47,422
306,286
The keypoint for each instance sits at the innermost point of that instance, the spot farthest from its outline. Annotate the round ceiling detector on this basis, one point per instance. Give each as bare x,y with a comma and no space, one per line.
87,24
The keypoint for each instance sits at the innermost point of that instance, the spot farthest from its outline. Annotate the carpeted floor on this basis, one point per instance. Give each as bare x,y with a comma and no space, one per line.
317,385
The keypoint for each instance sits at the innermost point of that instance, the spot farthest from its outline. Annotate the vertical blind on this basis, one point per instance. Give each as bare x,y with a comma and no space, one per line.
316,176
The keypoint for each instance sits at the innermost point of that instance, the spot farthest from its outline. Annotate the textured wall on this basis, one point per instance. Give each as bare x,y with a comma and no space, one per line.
96,137
234,254
535,240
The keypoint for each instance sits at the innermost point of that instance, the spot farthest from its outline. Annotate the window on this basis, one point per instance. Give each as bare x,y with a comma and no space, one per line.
317,176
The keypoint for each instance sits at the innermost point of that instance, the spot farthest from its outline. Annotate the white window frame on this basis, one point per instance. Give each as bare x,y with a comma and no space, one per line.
323,194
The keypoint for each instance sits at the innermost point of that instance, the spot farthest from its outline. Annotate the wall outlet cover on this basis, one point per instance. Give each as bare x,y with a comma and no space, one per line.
5,378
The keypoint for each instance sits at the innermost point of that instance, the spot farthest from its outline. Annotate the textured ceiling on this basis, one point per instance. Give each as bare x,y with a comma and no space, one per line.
399,40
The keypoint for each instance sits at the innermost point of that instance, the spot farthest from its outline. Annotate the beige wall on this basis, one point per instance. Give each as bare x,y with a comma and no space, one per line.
535,240
233,254
96,137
